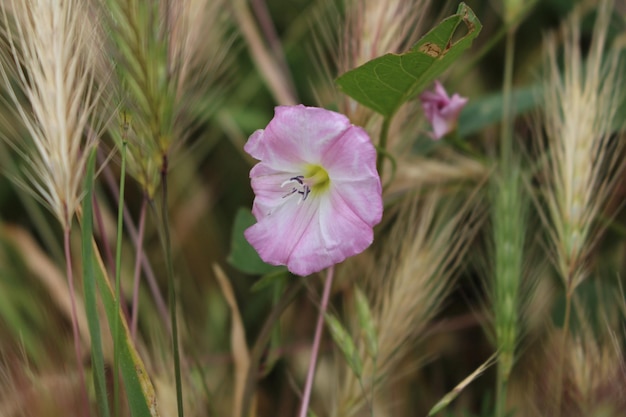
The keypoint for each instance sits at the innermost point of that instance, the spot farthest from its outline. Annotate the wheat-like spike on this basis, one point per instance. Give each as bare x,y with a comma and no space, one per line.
416,272
579,113
50,60
168,57
594,374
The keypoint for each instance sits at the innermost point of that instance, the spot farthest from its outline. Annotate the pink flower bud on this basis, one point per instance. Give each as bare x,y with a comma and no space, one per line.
441,110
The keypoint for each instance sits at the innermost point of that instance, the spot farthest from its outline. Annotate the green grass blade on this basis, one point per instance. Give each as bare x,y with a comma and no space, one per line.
139,388
89,283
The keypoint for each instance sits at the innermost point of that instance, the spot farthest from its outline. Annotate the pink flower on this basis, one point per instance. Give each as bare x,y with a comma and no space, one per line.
317,191
441,110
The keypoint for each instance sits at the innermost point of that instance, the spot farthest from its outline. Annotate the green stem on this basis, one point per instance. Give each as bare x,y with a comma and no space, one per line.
137,272
171,285
506,128
382,144
561,368
261,342
118,290
75,332
501,389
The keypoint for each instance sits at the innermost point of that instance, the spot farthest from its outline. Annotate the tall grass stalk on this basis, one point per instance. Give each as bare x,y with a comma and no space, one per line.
76,334
171,287
268,66
118,278
137,270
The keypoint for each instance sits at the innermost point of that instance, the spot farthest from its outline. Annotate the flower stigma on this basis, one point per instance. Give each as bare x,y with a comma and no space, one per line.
317,178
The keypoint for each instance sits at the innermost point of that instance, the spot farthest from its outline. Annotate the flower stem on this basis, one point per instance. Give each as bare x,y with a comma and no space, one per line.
167,245
76,334
137,272
382,144
306,396
118,291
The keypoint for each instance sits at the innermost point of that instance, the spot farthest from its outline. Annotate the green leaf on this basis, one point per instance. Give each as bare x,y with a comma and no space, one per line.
138,387
387,82
89,282
242,254
345,343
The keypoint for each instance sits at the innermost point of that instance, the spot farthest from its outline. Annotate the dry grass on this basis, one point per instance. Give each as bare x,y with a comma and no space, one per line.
584,157
408,285
49,63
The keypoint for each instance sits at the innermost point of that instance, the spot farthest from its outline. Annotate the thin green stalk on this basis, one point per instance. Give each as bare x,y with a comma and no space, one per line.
319,328
106,247
261,342
137,273
167,244
506,127
132,232
118,292
77,349
382,144
561,367
493,40
89,280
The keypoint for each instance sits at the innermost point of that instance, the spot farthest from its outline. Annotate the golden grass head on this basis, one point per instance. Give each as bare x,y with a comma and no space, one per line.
415,273
50,56
579,118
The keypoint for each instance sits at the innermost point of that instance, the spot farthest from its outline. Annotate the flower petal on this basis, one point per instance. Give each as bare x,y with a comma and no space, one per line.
344,232
267,186
362,197
296,135
290,236
351,157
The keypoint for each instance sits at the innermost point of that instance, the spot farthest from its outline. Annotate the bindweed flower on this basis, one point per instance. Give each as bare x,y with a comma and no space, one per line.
317,191
441,110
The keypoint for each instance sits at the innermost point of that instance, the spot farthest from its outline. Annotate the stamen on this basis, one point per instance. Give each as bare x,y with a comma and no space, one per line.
303,189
